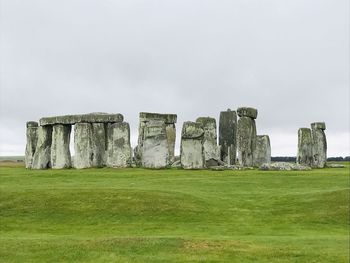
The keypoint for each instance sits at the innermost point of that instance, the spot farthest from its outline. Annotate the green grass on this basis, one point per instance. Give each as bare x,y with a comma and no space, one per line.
138,215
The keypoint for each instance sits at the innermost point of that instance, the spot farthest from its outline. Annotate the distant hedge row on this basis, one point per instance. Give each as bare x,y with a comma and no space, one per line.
293,159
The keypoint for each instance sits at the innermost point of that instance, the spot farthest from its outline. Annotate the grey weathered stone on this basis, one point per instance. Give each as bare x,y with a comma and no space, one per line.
42,155
210,147
262,151
319,144
305,147
247,112
60,153
155,148
32,138
82,118
246,140
192,150
283,166
169,120
119,151
82,145
98,144
335,165
227,136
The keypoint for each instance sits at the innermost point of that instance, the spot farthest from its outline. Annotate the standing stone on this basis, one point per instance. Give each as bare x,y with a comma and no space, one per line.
192,150
82,145
319,144
98,144
32,138
119,151
42,155
210,147
155,149
227,136
246,135
262,152
170,130
305,145
60,153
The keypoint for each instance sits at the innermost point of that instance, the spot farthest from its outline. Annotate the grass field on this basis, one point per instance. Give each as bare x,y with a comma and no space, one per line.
138,215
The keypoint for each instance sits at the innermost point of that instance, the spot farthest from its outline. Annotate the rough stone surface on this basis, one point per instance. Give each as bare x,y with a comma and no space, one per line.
169,120
262,151
318,125
42,155
98,144
246,140
32,138
335,165
227,136
192,150
305,147
82,145
119,151
319,144
82,118
283,166
60,153
210,147
155,148
247,112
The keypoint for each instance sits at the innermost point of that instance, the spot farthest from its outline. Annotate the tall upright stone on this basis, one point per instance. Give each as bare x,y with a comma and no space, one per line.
82,145
262,151
227,136
192,149
170,130
119,151
246,135
32,138
319,144
60,153
155,149
42,155
210,146
305,147
98,144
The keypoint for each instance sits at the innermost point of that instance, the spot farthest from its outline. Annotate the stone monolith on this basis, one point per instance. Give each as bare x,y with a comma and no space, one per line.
155,148
119,151
262,151
192,150
246,135
319,144
60,153
210,146
42,155
98,144
32,138
305,147
227,136
82,145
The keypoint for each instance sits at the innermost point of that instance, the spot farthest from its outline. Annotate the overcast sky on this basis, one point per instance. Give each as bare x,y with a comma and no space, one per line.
288,59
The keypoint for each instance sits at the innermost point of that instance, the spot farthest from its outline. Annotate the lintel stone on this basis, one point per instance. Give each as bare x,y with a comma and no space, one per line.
247,112
84,118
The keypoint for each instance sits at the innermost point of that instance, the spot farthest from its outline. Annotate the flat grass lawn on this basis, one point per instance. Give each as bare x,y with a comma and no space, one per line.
139,215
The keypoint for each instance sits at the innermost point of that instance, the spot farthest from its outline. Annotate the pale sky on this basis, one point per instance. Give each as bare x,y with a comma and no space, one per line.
289,59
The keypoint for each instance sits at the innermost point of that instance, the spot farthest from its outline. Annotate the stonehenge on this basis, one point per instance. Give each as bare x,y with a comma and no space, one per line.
319,144
103,140
246,135
227,136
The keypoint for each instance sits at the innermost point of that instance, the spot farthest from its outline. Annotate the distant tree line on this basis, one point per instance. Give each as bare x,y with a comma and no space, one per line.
293,159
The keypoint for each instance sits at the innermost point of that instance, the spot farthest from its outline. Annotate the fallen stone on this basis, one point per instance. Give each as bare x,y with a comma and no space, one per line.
176,164
246,140
82,118
262,151
210,147
319,144
42,155
60,153
32,138
283,166
305,147
227,136
335,165
119,151
192,152
155,148
247,112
